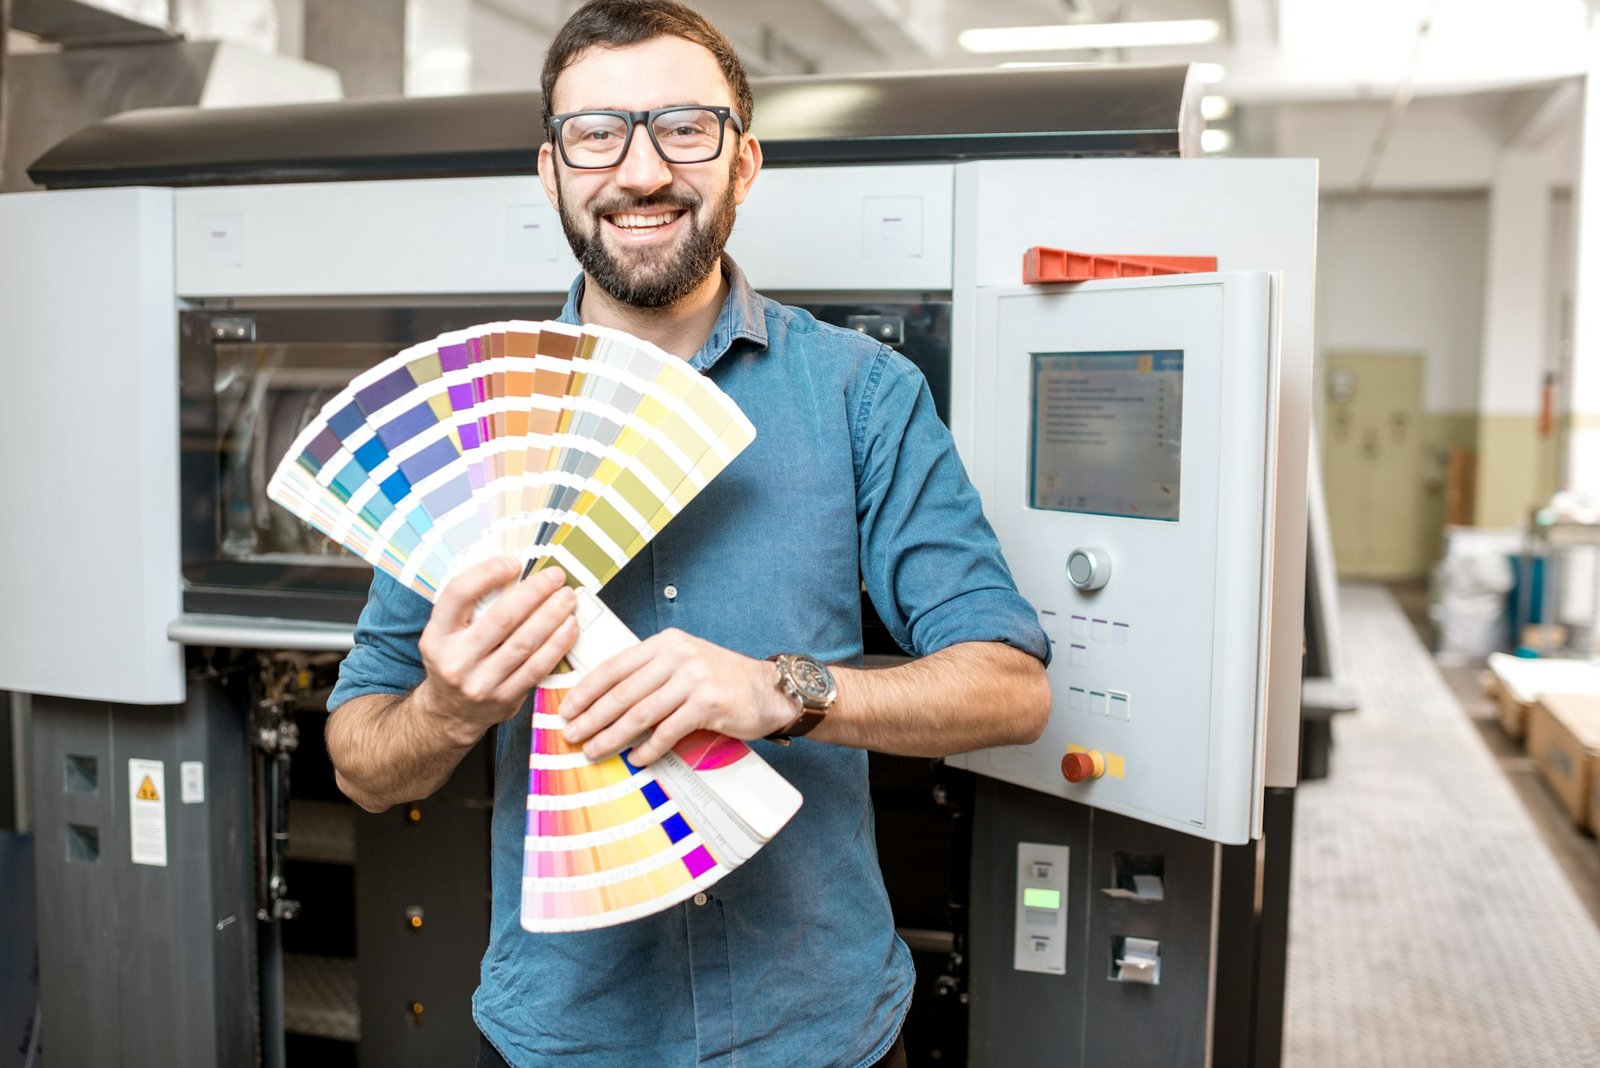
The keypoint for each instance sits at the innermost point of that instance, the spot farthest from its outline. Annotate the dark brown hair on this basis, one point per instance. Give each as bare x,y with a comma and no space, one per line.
615,23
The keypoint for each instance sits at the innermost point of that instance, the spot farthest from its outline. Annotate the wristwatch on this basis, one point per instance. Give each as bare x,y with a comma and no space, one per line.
809,682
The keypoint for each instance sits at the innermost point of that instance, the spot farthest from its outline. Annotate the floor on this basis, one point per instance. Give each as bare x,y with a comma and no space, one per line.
1442,911
1576,851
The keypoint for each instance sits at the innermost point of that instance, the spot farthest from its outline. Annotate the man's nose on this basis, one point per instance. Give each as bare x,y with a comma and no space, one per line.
642,169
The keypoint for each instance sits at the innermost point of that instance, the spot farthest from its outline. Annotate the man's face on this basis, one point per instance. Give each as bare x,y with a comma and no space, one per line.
648,232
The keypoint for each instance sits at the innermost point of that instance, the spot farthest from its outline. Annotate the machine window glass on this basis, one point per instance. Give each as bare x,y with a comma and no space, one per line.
1107,433
265,394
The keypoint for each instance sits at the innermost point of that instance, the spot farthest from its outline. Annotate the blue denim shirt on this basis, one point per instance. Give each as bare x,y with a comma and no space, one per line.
793,958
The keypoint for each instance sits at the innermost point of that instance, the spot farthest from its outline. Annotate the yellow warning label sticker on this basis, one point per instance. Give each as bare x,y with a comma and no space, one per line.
147,813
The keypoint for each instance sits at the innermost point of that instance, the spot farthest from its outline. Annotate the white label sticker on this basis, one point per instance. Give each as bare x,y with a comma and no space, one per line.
192,774
147,812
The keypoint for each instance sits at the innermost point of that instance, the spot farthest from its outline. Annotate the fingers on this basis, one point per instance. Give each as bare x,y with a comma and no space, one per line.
534,649
624,686
669,731
454,607
671,684
510,611
481,669
641,718
611,671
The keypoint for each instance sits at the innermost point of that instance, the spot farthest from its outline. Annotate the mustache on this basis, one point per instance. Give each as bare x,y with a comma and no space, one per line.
645,205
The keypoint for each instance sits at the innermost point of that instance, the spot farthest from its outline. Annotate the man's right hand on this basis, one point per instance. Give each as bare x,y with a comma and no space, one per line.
388,749
479,671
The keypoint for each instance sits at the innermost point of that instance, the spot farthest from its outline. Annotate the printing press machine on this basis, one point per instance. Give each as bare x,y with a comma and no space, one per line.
220,274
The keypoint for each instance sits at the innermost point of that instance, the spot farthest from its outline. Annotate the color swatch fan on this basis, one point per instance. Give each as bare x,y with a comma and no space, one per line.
542,441
552,444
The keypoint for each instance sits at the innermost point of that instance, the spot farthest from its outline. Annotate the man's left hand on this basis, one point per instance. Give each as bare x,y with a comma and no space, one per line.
673,683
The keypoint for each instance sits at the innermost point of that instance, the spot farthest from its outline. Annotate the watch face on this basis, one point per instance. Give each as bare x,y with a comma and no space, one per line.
811,678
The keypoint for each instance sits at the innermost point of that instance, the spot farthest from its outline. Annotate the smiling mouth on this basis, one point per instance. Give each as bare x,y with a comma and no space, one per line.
641,223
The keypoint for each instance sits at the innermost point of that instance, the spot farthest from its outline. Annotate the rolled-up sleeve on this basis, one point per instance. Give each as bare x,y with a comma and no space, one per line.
930,560
385,657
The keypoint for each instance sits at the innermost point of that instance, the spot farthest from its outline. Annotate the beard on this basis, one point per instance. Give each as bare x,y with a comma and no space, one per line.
651,278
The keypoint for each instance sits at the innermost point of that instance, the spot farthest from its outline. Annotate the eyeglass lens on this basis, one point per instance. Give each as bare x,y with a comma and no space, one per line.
682,135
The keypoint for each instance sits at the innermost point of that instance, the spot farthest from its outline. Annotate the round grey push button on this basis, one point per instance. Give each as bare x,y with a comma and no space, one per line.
670,593
1088,569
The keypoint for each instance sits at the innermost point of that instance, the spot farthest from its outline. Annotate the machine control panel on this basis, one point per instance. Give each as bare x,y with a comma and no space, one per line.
1041,916
1133,422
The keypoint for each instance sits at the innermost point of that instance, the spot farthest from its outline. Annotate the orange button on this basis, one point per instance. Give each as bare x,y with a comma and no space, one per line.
1080,766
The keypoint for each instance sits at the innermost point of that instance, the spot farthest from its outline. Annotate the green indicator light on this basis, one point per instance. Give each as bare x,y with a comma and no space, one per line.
1037,898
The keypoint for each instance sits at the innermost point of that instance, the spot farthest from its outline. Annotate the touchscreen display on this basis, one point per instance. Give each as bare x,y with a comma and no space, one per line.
1107,435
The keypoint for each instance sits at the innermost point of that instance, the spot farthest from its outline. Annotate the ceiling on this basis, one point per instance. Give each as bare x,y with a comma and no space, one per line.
1480,65
1503,67
1272,49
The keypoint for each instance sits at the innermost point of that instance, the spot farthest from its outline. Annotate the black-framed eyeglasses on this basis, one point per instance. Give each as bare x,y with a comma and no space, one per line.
682,134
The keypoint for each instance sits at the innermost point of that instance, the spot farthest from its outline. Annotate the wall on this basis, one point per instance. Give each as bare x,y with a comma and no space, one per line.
508,46
1449,143
1562,272
1405,272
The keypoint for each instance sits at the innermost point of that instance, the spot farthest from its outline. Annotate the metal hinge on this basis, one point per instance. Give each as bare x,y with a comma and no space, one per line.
889,329
233,328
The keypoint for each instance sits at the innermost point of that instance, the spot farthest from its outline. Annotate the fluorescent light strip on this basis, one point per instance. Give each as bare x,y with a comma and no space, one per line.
1067,37
1033,64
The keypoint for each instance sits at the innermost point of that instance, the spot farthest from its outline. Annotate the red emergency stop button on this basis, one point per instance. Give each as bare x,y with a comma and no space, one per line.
1080,766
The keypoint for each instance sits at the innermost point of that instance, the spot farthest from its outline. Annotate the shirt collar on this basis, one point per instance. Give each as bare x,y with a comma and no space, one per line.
743,317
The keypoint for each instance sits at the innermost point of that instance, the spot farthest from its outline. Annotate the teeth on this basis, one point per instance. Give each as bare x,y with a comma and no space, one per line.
634,221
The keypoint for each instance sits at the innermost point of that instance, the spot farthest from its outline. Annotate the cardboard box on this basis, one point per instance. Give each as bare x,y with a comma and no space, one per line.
1544,636
1518,682
1513,713
1511,710
1564,741
1594,795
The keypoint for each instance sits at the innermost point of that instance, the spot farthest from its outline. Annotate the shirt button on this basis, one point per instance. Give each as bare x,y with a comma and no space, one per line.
700,899
670,593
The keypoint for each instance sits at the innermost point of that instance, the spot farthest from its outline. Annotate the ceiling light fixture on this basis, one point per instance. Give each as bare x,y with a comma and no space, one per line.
1074,37
1209,73
1213,108
1215,140
1035,64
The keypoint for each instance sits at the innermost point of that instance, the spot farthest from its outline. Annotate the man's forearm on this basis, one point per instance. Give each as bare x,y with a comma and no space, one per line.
969,696
386,749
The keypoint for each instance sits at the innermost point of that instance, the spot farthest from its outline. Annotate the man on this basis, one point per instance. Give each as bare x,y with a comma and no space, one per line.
792,959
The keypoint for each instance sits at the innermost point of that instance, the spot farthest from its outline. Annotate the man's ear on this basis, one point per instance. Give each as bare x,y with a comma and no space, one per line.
745,168
547,174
